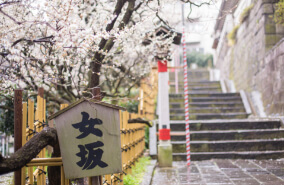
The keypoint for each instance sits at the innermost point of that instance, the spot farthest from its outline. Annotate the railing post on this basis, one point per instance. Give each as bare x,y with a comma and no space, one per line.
18,121
31,118
96,180
122,144
40,111
24,126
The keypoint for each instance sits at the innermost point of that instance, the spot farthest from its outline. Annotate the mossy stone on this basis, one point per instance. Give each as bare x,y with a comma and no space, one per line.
270,28
272,39
165,155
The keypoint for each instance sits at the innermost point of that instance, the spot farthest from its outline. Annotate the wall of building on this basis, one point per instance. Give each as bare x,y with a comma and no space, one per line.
256,61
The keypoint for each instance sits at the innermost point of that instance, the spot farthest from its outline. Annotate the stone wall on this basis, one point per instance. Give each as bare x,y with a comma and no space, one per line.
256,61
269,79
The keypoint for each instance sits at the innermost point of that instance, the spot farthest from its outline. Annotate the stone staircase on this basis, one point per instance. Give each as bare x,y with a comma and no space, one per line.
208,105
219,125
206,99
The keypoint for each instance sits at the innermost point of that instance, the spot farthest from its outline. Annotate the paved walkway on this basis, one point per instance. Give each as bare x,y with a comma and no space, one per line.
219,172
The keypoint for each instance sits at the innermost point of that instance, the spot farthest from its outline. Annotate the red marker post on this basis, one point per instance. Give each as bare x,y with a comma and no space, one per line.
165,147
164,134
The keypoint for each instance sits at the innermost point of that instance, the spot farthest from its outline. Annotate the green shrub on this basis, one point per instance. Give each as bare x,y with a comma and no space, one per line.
147,137
199,58
7,118
131,106
232,36
279,12
245,14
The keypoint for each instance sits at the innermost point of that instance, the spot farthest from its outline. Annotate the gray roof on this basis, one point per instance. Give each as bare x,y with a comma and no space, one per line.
82,100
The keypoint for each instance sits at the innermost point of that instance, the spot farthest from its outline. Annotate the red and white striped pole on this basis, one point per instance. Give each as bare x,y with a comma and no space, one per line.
187,131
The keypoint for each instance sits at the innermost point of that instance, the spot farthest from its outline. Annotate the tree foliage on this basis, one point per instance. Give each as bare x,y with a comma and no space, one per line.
245,14
7,117
232,35
279,12
69,47
199,58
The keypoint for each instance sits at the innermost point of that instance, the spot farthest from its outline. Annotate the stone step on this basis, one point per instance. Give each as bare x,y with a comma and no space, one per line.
192,75
203,116
171,91
200,86
258,155
198,89
229,145
197,86
192,70
180,71
196,83
207,104
207,89
217,135
204,94
204,91
206,99
209,110
233,124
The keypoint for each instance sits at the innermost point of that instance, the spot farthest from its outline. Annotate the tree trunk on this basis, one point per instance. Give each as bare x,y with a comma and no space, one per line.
106,45
48,136
54,172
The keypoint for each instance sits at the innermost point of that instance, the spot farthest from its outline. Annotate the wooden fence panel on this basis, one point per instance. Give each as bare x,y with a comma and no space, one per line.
29,133
132,137
24,126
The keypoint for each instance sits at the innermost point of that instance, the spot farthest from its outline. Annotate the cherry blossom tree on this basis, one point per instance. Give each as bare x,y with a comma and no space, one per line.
71,46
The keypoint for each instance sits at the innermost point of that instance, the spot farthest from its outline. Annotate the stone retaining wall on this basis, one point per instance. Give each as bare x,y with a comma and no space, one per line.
256,61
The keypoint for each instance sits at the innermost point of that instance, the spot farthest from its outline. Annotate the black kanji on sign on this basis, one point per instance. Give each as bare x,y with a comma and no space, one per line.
93,156
87,126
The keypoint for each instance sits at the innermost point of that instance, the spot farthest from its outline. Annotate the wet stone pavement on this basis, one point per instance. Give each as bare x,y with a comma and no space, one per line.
219,172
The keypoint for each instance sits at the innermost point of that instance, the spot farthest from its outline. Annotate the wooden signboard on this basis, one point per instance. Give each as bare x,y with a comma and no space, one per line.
89,138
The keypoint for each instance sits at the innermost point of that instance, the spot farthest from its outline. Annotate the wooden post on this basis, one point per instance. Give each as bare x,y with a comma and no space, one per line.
41,92
62,176
122,145
96,91
24,126
108,179
31,118
128,140
38,129
18,121
96,180
41,118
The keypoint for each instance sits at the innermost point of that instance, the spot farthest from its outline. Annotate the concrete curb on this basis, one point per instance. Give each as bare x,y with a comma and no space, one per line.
245,102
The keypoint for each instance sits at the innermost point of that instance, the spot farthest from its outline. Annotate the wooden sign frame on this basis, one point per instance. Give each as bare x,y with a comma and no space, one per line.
89,138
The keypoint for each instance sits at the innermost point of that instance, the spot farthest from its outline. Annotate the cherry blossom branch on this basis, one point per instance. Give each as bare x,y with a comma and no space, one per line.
44,39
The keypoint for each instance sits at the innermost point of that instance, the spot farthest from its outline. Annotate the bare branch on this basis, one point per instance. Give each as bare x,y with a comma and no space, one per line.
29,151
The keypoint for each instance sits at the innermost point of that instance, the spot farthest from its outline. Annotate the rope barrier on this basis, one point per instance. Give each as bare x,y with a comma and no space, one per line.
187,130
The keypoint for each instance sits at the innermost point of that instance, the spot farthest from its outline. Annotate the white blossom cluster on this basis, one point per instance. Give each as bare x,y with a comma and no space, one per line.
51,43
